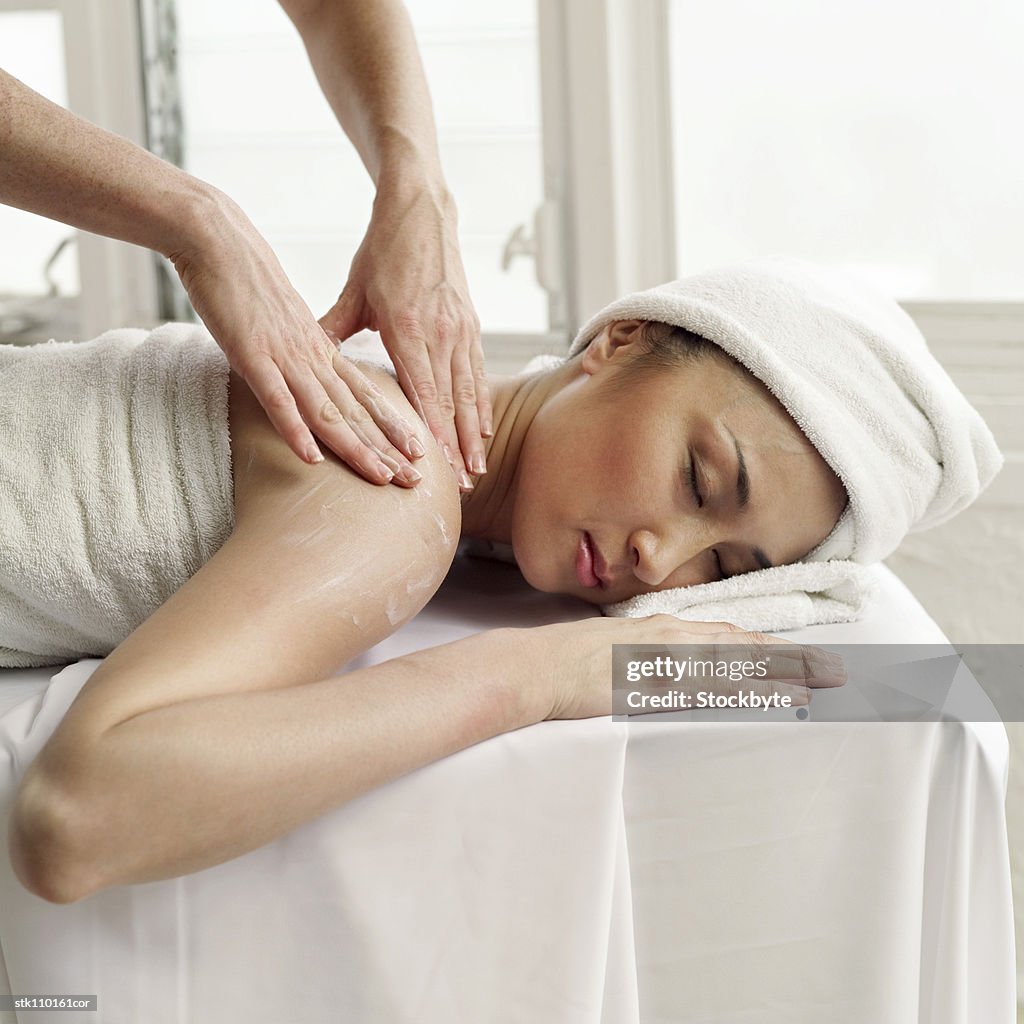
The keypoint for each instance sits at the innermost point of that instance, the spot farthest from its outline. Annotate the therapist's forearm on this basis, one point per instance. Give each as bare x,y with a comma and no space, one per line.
192,784
369,68
60,166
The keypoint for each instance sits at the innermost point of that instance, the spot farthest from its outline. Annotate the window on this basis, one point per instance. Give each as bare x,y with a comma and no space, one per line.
878,136
84,54
257,126
35,301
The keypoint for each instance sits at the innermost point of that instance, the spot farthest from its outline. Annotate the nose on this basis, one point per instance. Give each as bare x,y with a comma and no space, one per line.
656,555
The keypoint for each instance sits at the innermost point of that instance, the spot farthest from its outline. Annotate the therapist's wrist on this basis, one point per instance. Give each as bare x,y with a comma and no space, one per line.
199,219
407,166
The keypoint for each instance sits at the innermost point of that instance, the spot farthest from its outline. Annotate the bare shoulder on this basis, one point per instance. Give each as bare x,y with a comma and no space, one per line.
339,531
320,566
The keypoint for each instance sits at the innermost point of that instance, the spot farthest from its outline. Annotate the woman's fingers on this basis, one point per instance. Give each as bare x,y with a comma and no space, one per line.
376,421
407,282
425,371
448,380
485,413
465,396
724,660
342,406
809,665
268,384
784,659
271,340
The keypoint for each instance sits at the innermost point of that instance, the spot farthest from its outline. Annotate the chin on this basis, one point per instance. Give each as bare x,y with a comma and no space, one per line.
538,567
537,581
592,595
536,575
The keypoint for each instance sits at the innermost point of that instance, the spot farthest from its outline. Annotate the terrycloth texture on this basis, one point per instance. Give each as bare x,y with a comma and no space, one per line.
785,597
856,375
115,485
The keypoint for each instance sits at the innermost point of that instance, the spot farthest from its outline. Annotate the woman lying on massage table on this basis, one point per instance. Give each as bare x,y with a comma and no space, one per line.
649,460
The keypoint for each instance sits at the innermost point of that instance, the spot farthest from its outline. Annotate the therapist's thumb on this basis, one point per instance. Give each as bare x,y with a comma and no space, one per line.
345,317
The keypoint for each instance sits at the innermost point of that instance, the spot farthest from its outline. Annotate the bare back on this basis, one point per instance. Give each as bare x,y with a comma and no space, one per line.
320,566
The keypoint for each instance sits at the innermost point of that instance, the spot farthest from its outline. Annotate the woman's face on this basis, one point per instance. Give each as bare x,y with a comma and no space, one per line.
684,475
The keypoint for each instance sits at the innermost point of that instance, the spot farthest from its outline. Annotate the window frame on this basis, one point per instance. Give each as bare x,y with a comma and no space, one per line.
103,59
607,148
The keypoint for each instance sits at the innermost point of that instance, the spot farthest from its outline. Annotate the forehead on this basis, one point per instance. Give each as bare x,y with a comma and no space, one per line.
712,385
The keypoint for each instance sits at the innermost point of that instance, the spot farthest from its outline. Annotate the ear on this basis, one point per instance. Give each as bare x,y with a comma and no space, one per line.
613,344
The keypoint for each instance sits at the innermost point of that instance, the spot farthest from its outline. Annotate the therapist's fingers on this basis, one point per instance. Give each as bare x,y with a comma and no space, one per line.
374,419
339,420
267,383
465,397
425,372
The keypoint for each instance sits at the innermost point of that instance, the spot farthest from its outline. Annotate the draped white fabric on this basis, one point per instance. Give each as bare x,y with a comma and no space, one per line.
571,872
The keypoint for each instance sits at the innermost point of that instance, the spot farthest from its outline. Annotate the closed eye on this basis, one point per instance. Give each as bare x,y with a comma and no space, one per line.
722,575
692,473
699,498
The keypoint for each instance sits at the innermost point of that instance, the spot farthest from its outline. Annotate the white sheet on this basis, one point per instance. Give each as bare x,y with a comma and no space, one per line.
573,872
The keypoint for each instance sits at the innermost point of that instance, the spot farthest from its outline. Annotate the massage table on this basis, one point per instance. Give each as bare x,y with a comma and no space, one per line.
586,872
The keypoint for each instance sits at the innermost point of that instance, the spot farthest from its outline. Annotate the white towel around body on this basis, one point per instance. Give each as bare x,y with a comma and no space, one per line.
115,485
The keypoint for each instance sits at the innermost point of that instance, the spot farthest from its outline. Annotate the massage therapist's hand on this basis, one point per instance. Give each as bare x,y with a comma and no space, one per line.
407,282
569,664
272,340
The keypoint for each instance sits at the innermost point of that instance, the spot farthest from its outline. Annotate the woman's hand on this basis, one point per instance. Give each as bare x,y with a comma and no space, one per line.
408,283
272,340
570,663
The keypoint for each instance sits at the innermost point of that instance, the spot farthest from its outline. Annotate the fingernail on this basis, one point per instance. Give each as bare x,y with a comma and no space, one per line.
391,463
410,475
386,470
465,480
314,454
477,464
487,430
416,450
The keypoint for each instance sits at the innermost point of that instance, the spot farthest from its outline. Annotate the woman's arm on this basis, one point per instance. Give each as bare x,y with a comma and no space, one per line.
63,167
407,280
60,166
366,61
214,726
191,784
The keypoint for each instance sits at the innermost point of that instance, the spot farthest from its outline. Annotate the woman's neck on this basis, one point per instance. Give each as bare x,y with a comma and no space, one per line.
487,509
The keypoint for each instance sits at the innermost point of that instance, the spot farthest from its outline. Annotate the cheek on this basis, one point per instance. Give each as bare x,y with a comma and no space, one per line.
802,505
536,510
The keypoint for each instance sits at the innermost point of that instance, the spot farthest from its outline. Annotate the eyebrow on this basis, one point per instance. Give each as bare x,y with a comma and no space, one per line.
743,495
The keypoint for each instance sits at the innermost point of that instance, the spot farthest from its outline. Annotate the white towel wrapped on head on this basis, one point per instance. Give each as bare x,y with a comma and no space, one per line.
855,373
